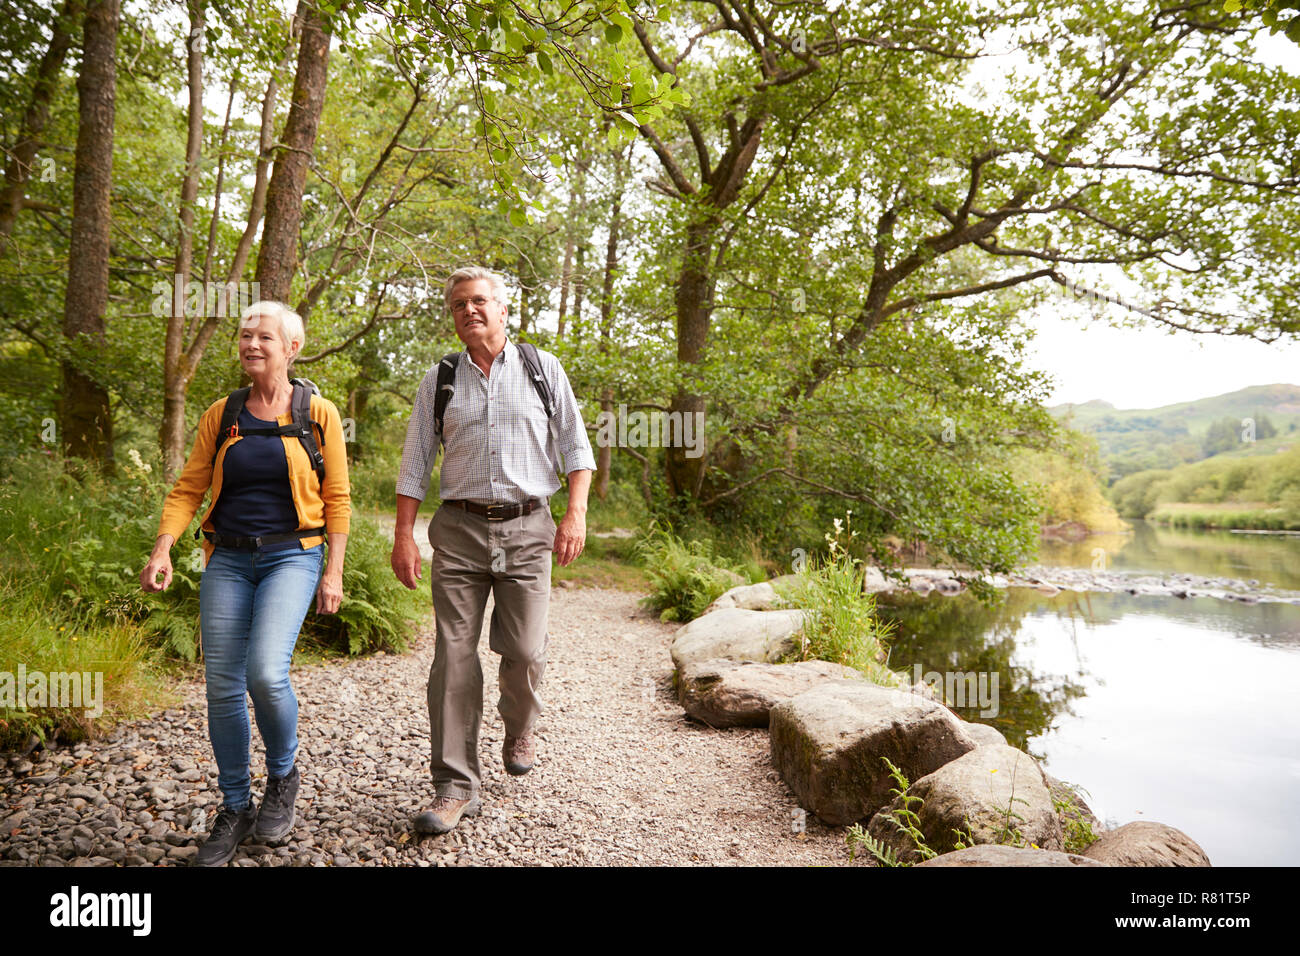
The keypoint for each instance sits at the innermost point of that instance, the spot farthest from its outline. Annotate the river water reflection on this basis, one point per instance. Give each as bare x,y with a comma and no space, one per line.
1181,711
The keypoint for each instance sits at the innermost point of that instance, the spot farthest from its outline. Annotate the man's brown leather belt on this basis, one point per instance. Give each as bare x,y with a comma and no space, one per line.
497,512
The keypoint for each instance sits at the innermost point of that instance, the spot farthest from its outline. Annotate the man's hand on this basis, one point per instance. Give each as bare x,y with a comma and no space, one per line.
406,559
570,537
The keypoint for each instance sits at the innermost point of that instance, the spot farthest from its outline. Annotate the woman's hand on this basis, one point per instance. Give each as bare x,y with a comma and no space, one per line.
160,561
329,594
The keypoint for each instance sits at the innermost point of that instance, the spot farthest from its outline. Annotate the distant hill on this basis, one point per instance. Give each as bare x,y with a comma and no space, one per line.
1138,439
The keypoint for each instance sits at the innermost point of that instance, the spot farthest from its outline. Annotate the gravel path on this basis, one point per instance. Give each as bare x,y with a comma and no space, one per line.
622,778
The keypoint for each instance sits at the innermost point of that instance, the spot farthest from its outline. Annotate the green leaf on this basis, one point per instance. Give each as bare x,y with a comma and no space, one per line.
518,218
623,21
544,63
613,33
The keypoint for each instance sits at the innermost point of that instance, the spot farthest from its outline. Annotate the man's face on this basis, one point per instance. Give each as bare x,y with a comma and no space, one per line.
480,319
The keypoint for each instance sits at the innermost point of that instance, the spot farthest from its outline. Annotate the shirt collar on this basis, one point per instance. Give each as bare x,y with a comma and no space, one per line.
506,356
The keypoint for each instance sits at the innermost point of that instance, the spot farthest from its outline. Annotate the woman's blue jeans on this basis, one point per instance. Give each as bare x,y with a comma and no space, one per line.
251,608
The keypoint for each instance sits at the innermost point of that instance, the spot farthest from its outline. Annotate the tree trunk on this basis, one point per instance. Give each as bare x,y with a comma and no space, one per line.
277,257
566,269
176,371
605,454
19,168
86,420
579,286
694,300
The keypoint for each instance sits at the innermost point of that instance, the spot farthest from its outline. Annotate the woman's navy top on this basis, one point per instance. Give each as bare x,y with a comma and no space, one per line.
255,495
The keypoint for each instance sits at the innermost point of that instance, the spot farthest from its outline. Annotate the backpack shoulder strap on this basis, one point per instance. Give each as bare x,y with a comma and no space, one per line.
446,387
230,417
534,363
306,429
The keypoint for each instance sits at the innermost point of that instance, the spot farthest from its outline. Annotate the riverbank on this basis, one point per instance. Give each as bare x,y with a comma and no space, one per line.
1053,580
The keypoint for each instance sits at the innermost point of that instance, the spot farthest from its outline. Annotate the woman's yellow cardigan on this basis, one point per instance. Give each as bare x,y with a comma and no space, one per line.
328,504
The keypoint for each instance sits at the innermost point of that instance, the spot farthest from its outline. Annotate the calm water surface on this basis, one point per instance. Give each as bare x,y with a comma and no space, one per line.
1177,711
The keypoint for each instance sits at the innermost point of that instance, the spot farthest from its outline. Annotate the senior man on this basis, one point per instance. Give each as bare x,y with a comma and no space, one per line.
493,533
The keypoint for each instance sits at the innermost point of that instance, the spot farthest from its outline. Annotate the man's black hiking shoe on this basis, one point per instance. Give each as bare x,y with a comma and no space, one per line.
276,816
228,830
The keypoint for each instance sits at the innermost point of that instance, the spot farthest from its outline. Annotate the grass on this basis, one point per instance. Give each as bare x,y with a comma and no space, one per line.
1245,516
842,625
134,682
1075,829
605,563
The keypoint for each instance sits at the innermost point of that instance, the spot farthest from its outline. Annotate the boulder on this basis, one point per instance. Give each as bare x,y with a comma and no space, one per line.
752,597
983,734
1146,843
830,743
995,793
989,855
736,634
874,581
741,693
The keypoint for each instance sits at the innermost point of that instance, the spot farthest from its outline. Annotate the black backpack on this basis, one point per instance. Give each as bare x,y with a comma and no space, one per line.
302,425
447,381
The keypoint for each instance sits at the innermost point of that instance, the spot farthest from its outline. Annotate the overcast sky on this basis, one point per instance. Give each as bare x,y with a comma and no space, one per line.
1148,368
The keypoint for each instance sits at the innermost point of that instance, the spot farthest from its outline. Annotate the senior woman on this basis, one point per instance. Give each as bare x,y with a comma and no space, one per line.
265,526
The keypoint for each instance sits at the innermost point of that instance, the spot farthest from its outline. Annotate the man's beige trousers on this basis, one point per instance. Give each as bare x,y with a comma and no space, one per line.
473,556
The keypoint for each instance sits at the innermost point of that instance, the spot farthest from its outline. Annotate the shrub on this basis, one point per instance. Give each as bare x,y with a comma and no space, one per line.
685,577
75,547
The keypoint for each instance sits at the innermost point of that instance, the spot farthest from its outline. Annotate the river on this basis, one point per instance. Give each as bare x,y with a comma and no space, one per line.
1176,710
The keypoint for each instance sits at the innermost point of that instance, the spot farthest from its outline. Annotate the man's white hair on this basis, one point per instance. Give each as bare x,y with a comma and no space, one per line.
289,321
470,273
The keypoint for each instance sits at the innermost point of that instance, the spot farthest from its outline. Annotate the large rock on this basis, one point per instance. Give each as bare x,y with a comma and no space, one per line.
983,734
1145,843
751,597
989,855
988,793
786,584
829,744
736,634
741,693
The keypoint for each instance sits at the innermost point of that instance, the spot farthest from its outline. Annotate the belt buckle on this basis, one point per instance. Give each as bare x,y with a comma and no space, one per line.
491,508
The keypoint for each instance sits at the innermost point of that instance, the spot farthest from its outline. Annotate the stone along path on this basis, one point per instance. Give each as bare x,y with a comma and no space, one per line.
623,778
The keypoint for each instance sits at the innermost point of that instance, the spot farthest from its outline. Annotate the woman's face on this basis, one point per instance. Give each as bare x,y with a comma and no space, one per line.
262,351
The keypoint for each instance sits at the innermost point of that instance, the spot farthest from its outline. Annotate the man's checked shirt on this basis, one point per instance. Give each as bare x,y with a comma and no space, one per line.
499,446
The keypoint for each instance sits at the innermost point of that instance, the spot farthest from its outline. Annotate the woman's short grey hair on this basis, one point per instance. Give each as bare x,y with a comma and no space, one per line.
470,273
289,321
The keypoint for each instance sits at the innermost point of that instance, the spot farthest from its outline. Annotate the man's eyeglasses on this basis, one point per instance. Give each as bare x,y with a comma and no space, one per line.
460,305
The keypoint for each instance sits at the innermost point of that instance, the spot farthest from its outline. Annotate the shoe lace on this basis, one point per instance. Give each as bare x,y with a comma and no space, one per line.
225,822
